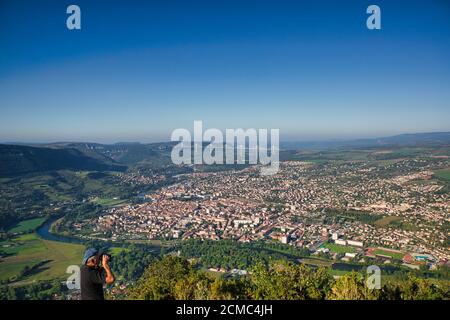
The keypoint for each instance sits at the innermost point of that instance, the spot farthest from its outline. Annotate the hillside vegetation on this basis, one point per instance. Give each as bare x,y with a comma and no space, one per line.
175,278
17,160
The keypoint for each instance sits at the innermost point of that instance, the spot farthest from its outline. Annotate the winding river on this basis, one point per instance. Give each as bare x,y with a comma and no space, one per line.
44,232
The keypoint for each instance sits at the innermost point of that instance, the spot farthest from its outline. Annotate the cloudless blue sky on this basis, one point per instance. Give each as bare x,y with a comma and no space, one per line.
139,69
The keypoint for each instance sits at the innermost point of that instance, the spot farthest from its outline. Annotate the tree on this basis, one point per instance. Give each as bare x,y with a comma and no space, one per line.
159,279
195,286
288,281
175,278
229,289
352,287
422,289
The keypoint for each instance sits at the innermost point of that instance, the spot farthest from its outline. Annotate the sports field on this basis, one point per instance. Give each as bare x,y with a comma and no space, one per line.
394,255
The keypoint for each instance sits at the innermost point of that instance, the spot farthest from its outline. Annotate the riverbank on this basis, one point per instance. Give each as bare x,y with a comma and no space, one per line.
44,231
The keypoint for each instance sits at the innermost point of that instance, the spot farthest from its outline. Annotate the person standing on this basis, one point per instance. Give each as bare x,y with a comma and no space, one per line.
94,273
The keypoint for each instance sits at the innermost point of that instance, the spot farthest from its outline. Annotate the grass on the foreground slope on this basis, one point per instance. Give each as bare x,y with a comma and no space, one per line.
29,249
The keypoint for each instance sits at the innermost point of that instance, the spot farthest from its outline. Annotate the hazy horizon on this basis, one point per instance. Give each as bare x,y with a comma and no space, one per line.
282,139
312,70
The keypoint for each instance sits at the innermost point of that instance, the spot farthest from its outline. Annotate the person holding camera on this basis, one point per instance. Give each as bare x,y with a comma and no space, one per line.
94,273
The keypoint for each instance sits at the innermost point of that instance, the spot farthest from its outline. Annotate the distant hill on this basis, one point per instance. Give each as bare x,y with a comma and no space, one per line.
402,140
122,153
19,159
417,139
16,160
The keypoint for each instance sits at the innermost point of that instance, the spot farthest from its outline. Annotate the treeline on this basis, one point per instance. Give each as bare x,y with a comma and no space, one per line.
230,254
78,214
131,263
175,278
7,217
43,290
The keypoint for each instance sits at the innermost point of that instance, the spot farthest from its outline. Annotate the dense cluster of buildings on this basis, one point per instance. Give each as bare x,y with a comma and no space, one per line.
293,207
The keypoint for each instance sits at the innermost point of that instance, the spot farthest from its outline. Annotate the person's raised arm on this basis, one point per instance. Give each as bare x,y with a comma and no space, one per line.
109,276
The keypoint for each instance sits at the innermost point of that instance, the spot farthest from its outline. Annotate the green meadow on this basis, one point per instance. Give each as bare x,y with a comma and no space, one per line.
443,175
27,225
385,221
30,249
317,262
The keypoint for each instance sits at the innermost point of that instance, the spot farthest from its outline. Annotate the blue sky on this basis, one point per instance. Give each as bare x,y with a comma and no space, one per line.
136,72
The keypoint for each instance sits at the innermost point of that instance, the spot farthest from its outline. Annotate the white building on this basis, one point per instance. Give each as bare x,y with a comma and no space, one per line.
341,242
355,243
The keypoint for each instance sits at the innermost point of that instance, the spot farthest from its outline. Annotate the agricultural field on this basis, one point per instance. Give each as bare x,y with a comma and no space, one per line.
443,175
395,222
29,250
116,250
27,225
317,262
47,259
385,221
331,155
40,193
